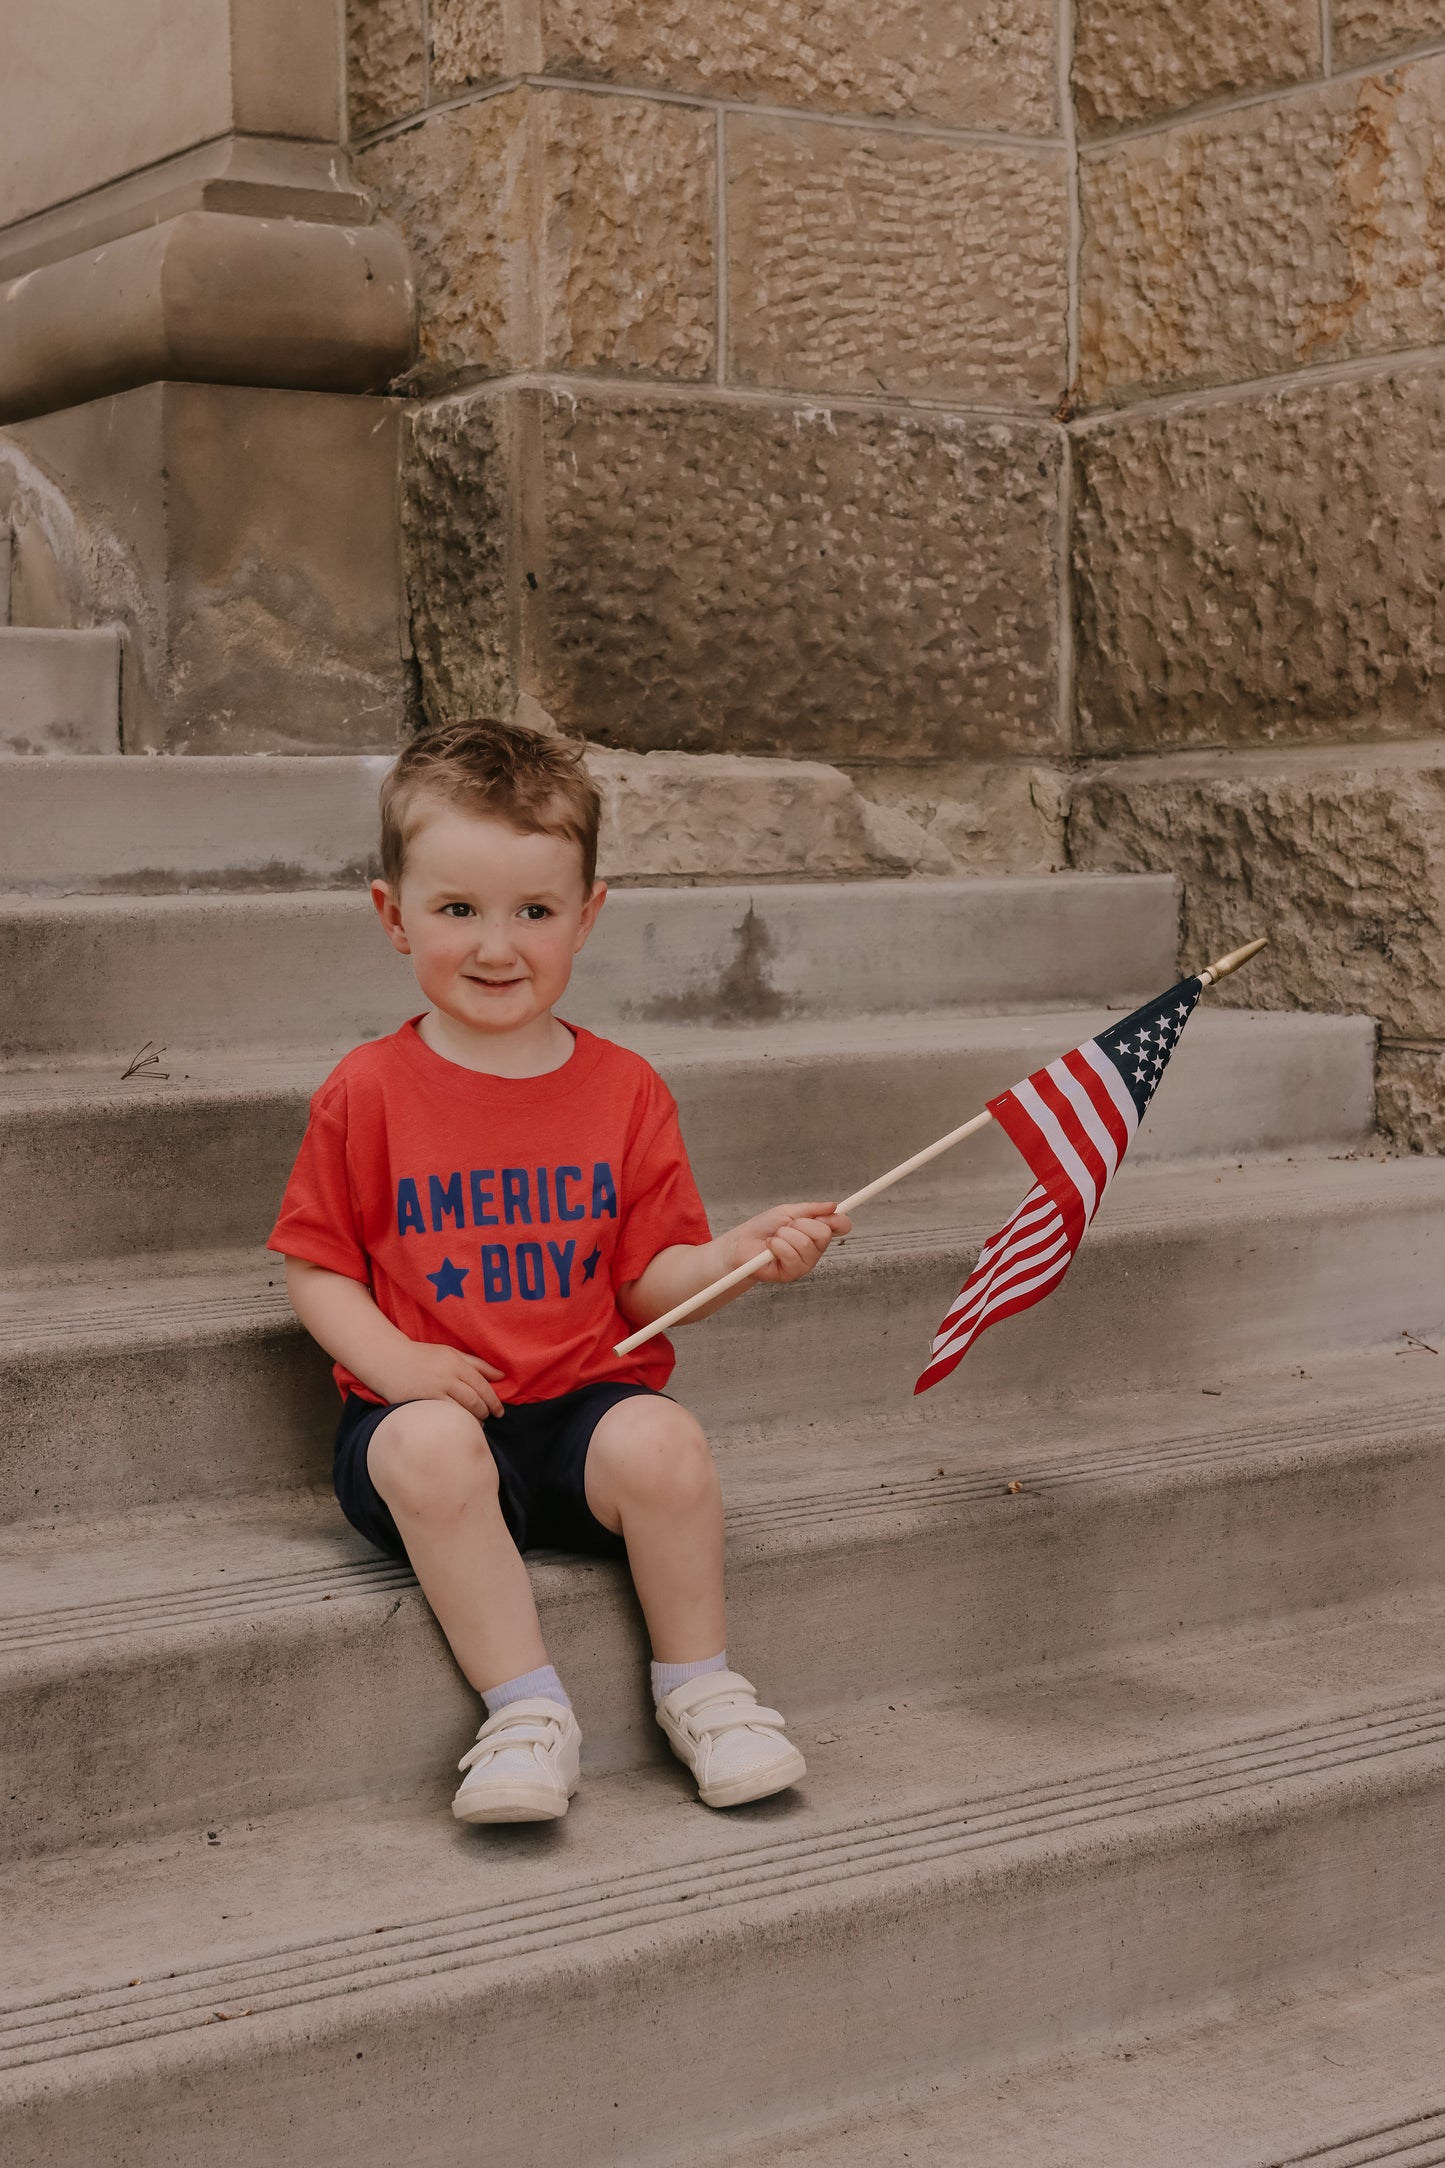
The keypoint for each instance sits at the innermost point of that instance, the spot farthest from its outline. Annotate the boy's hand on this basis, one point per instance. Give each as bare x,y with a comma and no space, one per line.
797,1235
422,1371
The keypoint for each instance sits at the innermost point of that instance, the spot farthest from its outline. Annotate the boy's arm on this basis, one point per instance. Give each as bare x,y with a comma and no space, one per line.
341,1314
797,1235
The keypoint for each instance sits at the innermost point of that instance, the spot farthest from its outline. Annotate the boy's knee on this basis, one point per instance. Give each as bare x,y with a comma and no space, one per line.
431,1457
657,1451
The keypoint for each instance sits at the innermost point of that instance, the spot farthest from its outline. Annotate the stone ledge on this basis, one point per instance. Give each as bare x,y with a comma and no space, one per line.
728,817
210,297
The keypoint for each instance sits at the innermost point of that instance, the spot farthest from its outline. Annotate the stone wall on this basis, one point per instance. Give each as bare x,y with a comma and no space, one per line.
1259,476
742,345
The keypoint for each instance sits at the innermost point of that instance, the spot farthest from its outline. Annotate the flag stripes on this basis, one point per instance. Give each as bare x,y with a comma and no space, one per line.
1072,1122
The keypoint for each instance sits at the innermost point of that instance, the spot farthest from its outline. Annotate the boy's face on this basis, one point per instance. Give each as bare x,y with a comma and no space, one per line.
490,918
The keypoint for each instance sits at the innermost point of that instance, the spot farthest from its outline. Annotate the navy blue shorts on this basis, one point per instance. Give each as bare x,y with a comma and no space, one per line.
540,1449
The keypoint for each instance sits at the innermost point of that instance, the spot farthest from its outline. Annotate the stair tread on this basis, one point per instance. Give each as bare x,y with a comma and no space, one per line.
1037,1034
1344,2076
243,1289
184,1570
152,1939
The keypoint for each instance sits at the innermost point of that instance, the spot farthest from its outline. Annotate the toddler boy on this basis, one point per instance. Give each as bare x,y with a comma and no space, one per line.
483,1204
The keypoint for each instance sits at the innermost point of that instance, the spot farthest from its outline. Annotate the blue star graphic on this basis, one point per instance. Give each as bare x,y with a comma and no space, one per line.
449,1280
590,1264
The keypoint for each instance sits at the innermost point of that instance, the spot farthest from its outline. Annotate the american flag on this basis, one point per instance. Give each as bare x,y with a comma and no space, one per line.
1073,1123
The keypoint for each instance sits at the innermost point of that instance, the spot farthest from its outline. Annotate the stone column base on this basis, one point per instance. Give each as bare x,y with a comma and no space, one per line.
246,542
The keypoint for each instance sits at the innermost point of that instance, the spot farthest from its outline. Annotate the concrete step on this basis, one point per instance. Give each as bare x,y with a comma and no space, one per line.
226,822
963,1887
125,825
1337,2079
102,976
134,1386
59,691
163,1672
193,1150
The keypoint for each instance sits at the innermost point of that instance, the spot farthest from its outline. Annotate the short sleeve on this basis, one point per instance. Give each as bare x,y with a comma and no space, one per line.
319,1221
660,1201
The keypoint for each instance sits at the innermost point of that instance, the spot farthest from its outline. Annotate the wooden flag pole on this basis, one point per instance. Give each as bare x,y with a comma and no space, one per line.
1210,976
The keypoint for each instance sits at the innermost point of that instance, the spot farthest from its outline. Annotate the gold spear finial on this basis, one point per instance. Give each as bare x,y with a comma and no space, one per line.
1213,973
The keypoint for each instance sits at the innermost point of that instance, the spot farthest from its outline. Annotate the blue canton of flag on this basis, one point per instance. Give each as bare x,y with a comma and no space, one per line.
1073,1123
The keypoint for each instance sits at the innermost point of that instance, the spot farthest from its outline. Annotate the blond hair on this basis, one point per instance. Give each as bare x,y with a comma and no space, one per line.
535,783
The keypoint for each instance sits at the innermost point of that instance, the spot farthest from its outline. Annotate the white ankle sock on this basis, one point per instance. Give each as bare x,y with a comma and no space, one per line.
665,1677
541,1685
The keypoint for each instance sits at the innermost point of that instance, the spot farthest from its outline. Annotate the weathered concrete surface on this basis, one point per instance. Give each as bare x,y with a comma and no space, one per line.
385,61
1305,229
59,692
1338,857
1134,62
707,575
88,977
972,63
1262,568
557,229
246,541
870,261
1364,28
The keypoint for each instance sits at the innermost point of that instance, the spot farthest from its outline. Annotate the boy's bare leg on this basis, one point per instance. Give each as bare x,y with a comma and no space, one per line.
651,1479
431,1463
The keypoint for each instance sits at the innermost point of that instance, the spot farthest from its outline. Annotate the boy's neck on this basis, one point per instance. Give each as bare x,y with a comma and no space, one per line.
534,1049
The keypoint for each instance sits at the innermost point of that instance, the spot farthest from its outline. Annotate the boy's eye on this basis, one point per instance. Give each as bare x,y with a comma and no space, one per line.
535,911
456,910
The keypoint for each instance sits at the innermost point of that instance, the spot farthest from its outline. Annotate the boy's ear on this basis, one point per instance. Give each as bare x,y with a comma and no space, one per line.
590,910
388,910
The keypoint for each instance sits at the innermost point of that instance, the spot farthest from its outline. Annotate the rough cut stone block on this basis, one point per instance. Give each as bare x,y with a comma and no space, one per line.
469,44
1339,857
691,816
976,816
860,260
612,197
385,61
1410,1096
1264,567
1134,59
1301,230
719,576
1365,29
972,63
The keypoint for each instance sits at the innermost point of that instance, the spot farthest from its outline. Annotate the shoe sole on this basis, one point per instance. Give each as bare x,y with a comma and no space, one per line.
515,1803
758,1784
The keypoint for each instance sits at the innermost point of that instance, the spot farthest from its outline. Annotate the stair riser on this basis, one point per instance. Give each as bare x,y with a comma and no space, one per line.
221,1721
145,827
1146,1307
314,971
158,1171
107,1428
783,2008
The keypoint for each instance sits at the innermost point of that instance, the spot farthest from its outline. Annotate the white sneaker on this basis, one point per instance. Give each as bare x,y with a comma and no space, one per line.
525,1765
736,1750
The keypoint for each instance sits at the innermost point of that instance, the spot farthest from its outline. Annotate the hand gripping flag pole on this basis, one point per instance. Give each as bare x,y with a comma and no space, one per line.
1089,1102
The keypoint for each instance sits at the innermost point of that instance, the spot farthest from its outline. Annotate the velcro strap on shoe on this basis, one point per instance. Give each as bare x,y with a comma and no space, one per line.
735,1716
709,1686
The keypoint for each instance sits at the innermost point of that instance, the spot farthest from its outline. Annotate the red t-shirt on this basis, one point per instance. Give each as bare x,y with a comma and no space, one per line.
494,1214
